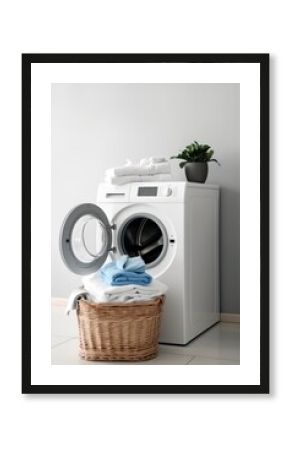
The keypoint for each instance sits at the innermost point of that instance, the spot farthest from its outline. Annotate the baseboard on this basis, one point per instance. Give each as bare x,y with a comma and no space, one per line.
230,317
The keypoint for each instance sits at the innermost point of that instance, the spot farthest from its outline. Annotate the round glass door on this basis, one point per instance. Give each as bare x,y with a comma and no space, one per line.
85,239
89,239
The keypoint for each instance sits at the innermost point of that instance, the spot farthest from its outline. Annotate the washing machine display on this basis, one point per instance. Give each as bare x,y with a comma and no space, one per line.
147,191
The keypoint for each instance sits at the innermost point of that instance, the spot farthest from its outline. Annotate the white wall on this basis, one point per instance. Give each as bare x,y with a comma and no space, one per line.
96,126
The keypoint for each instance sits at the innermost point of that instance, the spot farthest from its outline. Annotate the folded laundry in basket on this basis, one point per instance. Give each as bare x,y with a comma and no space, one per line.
102,292
124,271
130,264
75,296
95,290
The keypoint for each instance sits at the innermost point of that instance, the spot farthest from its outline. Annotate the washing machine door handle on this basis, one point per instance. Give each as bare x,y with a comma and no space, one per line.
85,238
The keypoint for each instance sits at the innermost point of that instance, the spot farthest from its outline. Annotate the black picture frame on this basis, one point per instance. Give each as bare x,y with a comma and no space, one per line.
263,61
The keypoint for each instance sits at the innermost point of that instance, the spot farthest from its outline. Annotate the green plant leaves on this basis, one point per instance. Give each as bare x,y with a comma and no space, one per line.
209,154
196,152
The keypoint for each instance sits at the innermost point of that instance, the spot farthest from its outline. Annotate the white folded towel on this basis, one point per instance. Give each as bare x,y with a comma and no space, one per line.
95,290
159,168
131,178
103,292
155,160
150,166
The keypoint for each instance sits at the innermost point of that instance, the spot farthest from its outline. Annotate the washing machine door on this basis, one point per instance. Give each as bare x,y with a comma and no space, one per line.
85,239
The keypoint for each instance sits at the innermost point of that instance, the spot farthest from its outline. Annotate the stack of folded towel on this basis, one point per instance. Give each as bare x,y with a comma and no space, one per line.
125,271
148,169
121,281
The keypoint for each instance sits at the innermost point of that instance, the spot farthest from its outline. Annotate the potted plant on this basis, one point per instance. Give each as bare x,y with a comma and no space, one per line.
195,157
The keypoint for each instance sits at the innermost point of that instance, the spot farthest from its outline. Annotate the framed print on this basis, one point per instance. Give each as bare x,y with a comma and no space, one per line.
145,223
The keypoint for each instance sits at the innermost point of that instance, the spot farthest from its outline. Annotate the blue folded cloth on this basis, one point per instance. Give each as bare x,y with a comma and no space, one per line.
126,270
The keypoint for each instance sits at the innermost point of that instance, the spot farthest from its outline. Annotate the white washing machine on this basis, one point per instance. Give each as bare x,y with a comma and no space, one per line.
174,226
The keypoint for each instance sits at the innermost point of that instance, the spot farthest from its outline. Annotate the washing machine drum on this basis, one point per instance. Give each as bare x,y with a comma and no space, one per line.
143,236
86,238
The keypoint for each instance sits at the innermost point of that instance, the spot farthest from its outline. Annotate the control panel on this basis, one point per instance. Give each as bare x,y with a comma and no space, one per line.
143,192
155,191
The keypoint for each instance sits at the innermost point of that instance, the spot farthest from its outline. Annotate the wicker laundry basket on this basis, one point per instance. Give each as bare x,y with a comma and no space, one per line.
119,331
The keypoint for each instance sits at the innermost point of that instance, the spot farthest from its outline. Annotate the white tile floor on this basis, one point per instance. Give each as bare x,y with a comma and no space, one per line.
218,345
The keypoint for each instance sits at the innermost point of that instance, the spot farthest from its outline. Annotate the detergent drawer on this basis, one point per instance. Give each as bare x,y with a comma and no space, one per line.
110,193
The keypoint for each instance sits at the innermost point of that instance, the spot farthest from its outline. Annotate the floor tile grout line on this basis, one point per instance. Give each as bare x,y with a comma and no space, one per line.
230,360
199,354
191,359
